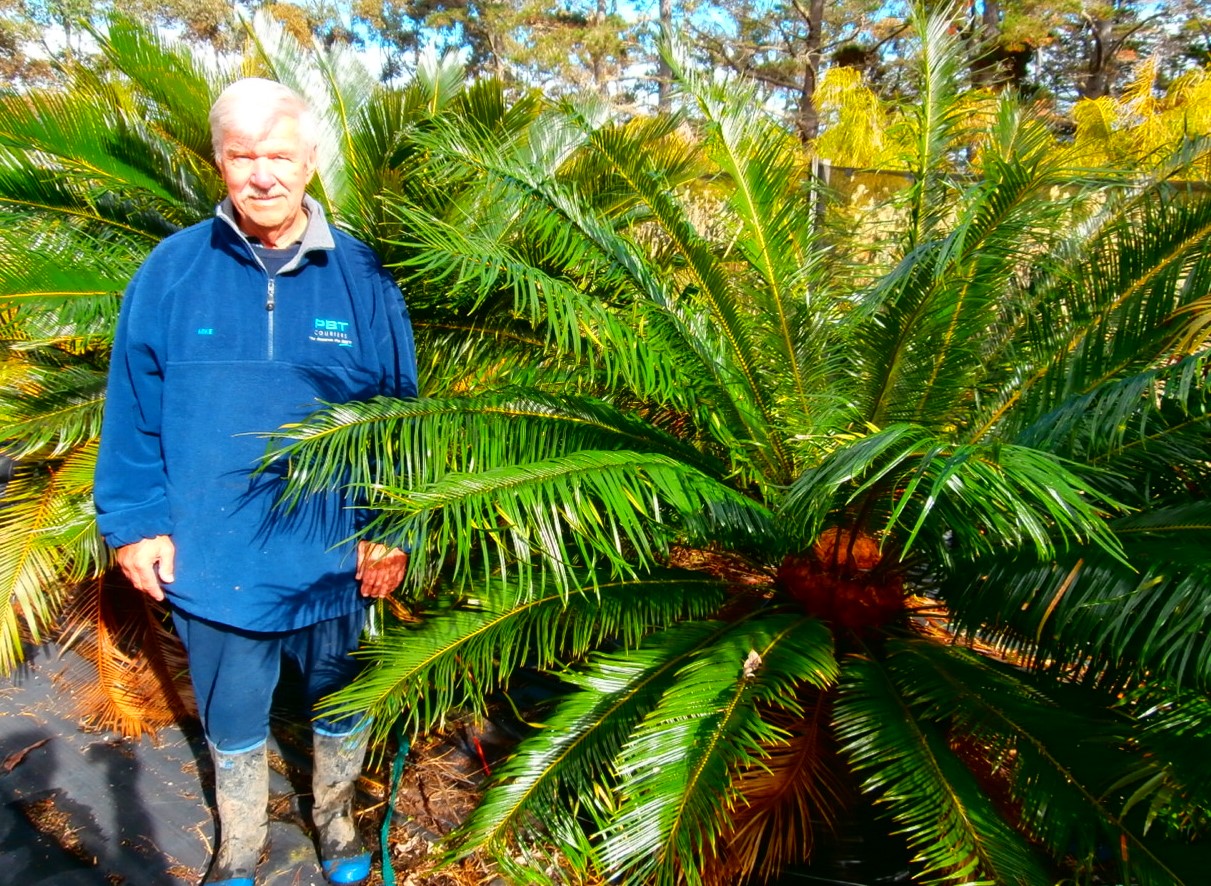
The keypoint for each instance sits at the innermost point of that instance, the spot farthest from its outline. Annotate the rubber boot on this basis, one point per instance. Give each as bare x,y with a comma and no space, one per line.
241,787
344,857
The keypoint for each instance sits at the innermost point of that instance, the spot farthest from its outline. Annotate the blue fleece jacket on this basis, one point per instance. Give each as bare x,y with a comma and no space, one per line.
210,352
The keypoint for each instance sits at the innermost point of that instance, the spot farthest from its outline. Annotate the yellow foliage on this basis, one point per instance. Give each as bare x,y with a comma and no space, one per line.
1142,129
1096,120
978,109
854,131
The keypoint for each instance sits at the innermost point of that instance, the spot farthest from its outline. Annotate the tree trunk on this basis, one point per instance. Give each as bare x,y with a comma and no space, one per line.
664,74
596,57
808,117
985,42
1101,59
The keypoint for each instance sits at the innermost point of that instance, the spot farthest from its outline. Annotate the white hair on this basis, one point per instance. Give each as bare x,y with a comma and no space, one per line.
255,104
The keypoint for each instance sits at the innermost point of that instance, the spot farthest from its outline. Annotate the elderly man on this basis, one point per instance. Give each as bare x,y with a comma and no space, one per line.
231,327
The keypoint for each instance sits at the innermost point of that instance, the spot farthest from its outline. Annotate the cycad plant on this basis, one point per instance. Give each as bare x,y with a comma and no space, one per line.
92,176
794,521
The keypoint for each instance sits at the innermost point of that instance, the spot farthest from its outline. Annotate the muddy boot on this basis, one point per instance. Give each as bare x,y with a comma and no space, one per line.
338,763
241,787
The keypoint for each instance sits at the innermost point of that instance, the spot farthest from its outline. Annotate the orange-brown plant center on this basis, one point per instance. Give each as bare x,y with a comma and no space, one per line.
837,580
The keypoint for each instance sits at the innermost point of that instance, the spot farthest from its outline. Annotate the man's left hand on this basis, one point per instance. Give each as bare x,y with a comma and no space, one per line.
380,569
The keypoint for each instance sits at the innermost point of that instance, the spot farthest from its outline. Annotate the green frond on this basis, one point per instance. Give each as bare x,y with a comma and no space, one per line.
63,283
558,770
1142,617
1105,312
173,91
1172,779
463,433
905,760
612,510
54,410
597,182
936,117
568,236
91,158
1125,413
32,589
519,474
469,262
1057,756
335,82
675,771
471,267
979,498
58,132
706,280
945,321
784,282
458,655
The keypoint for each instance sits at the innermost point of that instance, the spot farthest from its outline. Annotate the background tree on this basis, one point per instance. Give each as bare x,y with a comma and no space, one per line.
781,45
555,47
18,36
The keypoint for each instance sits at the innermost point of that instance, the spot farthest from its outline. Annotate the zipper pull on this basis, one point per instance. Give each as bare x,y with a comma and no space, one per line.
269,302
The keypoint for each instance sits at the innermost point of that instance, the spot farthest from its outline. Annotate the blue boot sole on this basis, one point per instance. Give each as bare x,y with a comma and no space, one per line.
347,871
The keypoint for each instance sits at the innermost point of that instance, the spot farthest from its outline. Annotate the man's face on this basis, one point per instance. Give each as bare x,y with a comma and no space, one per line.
266,173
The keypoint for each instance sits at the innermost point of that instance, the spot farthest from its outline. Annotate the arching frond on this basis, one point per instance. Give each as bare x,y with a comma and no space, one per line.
1118,621
906,763
672,769
1056,757
975,498
32,590
460,655
560,767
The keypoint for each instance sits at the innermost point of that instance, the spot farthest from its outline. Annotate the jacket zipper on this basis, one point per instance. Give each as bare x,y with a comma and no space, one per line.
269,305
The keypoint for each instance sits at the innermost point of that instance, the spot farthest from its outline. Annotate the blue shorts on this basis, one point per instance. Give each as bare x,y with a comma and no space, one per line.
235,673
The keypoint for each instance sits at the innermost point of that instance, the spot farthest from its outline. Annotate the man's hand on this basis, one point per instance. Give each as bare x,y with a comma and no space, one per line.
380,569
139,561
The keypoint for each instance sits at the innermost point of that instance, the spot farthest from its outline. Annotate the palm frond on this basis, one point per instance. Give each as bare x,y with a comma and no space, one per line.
936,119
461,654
706,283
137,680
1100,617
976,498
463,433
32,591
905,761
615,510
1103,313
567,235
1172,778
54,410
560,767
1059,755
526,476
672,768
335,82
943,316
788,296
786,798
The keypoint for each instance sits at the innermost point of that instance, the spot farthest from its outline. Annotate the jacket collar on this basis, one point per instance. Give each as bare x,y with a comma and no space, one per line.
316,236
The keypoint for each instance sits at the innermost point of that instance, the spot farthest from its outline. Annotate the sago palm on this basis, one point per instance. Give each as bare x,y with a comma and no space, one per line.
792,517
92,176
